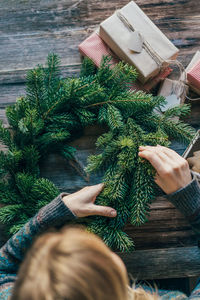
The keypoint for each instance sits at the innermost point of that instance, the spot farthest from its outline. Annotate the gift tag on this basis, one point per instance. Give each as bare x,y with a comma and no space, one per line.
172,101
135,42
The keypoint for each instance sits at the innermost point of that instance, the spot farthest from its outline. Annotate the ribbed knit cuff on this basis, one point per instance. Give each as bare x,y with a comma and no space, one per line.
187,199
55,213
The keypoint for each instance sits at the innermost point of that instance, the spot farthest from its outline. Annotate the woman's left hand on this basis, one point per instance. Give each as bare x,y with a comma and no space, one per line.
82,203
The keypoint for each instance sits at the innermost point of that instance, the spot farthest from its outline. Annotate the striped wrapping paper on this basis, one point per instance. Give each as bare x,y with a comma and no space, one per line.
193,77
95,48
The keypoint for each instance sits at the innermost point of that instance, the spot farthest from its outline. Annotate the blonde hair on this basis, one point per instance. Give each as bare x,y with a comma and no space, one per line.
72,264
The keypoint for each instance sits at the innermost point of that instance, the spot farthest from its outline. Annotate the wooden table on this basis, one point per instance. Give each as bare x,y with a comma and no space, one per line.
30,29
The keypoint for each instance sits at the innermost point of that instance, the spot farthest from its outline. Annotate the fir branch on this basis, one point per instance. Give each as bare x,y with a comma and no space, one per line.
177,111
178,130
5,136
43,189
122,101
53,69
142,193
9,213
114,118
87,68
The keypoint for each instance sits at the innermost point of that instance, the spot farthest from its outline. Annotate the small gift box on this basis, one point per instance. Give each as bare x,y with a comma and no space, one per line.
174,91
193,62
160,77
134,38
193,77
95,48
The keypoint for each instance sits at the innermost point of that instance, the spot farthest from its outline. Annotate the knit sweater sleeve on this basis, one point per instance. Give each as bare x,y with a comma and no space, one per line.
187,200
12,253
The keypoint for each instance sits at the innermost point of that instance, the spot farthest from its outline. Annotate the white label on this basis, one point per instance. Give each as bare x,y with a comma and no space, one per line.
172,101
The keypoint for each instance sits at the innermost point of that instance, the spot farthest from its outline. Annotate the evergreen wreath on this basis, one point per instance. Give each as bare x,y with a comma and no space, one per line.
49,117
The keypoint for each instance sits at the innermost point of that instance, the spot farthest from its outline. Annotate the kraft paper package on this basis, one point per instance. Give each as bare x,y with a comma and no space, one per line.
134,38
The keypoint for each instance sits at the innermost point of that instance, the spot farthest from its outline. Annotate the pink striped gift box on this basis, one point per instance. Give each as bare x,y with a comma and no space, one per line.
193,77
95,48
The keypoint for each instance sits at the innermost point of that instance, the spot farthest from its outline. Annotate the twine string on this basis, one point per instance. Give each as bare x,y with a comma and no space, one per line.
183,84
155,56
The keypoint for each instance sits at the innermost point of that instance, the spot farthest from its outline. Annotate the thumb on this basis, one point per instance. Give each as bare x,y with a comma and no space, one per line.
103,211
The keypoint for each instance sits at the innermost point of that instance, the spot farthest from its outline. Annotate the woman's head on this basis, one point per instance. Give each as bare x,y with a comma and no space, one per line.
71,265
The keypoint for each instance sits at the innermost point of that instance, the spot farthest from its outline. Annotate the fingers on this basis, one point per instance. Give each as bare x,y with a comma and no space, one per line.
103,211
161,149
162,159
175,157
153,158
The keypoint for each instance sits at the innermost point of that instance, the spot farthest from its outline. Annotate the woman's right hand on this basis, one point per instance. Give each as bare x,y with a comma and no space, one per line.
173,171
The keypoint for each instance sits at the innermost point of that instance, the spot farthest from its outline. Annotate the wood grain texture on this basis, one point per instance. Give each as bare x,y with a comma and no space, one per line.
29,30
152,264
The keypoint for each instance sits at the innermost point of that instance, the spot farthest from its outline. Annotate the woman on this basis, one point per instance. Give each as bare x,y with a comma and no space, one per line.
72,264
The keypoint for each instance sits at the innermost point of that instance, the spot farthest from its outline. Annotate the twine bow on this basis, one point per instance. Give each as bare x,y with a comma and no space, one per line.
182,88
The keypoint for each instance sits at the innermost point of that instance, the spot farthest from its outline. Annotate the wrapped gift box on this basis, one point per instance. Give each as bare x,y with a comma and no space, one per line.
193,62
193,77
160,77
134,38
95,48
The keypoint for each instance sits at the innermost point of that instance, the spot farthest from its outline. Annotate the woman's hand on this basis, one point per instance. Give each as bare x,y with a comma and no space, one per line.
173,171
82,204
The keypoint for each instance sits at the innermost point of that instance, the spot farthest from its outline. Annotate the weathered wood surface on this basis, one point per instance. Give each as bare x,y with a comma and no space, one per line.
152,264
29,30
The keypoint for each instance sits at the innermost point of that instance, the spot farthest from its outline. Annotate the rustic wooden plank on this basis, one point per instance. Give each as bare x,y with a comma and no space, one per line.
51,15
144,240
39,15
165,263
31,30
194,116
14,76
3,118
9,93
